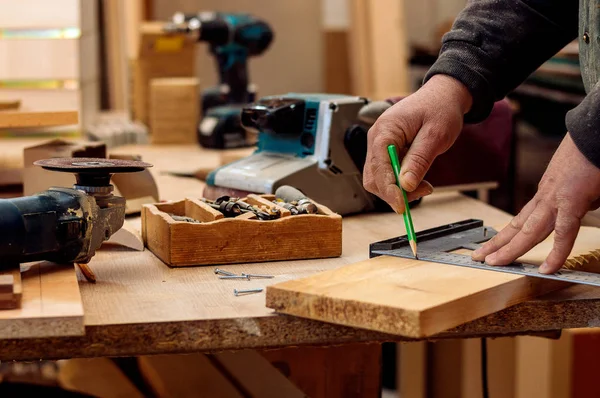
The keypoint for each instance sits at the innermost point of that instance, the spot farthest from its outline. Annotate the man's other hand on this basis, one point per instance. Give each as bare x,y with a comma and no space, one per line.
422,126
569,188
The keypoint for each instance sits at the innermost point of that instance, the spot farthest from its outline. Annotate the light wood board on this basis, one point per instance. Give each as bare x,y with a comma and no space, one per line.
37,119
417,298
50,304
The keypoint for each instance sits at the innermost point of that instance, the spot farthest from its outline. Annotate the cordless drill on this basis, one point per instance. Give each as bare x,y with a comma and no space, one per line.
232,39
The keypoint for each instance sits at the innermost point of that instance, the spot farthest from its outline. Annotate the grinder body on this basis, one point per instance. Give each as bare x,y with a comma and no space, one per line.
59,225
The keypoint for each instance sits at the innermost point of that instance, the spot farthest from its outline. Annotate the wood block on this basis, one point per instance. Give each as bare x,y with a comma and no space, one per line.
50,305
226,240
336,61
174,110
7,282
158,56
184,376
11,288
68,95
416,298
98,377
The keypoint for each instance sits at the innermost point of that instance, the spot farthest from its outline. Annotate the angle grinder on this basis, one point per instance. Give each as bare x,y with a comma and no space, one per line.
65,225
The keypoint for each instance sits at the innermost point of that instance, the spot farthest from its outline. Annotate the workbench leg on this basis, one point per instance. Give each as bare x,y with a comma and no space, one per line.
452,368
564,368
483,195
348,371
318,372
412,370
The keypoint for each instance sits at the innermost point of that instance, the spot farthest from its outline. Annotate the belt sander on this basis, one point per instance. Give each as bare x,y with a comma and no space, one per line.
313,142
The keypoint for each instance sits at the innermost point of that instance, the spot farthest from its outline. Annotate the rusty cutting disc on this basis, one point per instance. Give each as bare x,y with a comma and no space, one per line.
92,165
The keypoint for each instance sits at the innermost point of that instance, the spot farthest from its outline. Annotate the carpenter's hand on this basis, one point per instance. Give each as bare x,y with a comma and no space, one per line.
569,188
425,124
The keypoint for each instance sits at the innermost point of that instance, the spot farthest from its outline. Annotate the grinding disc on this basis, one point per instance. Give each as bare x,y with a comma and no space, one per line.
92,165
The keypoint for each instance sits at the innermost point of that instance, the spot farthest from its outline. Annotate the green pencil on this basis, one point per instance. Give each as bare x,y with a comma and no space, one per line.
410,230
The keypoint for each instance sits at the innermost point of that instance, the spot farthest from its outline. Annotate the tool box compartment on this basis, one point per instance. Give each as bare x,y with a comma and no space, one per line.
206,237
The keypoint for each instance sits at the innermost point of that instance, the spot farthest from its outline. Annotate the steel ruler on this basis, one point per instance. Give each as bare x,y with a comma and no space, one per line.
436,245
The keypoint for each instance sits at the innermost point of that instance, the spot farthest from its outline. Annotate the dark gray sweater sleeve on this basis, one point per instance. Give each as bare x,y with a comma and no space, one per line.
583,124
495,45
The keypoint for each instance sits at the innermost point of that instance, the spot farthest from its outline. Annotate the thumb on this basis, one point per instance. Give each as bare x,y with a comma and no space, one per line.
421,154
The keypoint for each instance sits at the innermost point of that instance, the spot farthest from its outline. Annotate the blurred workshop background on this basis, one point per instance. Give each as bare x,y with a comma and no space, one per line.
96,61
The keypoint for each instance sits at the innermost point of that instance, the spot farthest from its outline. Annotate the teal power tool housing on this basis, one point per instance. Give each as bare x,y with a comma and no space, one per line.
309,141
232,38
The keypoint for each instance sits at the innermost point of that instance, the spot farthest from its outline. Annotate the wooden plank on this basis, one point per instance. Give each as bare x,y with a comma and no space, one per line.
336,59
409,298
379,48
417,298
359,37
157,61
257,376
389,49
98,377
185,376
10,105
37,119
116,53
50,305
351,370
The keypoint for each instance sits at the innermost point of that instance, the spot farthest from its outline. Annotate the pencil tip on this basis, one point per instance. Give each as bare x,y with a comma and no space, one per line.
413,246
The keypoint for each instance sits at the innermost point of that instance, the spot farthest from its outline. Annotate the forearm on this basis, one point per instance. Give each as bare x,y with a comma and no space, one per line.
494,45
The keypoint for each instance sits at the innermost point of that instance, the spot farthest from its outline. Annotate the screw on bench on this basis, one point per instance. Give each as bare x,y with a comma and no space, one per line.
247,291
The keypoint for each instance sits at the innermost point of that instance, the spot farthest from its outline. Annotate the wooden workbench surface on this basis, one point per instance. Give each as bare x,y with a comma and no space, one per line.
140,306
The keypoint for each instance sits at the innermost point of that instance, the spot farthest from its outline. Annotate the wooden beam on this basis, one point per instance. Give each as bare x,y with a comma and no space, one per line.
116,61
378,47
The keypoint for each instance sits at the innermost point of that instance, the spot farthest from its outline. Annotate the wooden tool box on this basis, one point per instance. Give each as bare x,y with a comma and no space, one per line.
242,239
